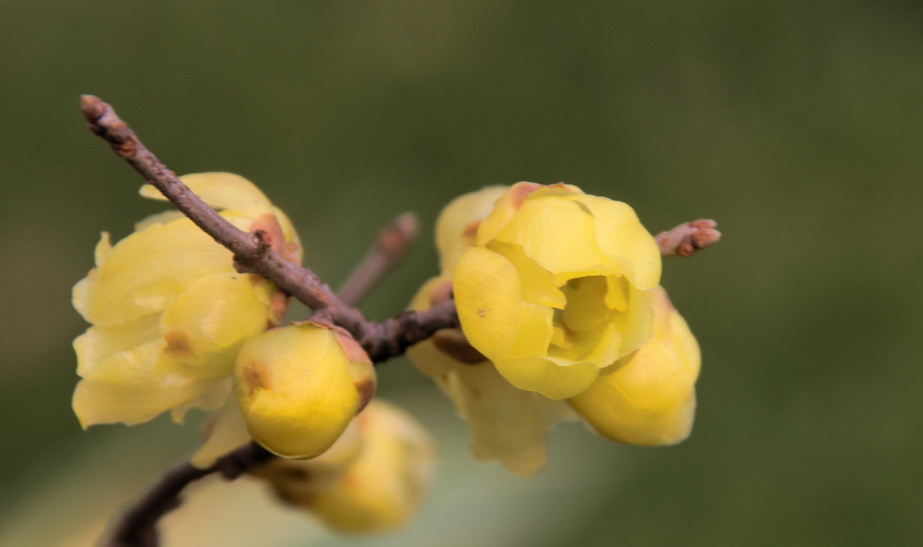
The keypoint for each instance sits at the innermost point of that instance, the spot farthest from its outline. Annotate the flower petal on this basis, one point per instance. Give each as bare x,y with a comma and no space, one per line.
206,326
487,293
546,377
221,191
647,398
559,235
624,239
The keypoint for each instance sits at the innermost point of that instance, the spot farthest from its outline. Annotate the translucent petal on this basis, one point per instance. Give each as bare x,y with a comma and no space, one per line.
506,424
457,218
144,272
210,400
228,432
80,296
165,217
547,378
558,234
622,235
98,344
221,191
135,397
205,327
487,295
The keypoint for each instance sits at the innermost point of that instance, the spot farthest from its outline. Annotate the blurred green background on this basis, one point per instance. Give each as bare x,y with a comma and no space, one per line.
797,125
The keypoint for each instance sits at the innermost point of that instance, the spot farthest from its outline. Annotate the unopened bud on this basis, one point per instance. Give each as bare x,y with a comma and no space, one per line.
299,388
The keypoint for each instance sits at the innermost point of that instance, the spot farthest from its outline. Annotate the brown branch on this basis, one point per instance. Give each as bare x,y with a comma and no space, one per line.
138,527
688,238
254,254
391,246
251,253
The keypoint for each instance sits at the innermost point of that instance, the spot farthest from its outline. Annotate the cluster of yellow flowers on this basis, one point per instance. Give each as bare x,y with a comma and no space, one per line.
561,312
175,327
561,315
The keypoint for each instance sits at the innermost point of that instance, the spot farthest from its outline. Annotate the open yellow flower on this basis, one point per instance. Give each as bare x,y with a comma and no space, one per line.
371,480
555,287
505,423
299,386
648,397
169,312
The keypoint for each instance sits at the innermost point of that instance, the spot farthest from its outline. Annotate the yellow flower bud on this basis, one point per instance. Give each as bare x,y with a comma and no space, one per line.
168,310
555,287
371,480
299,386
648,397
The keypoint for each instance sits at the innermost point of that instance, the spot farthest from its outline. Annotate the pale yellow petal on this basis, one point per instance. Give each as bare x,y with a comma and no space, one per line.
382,488
210,400
135,398
543,376
625,240
207,324
455,223
487,295
221,191
559,235
145,272
98,344
506,424
228,432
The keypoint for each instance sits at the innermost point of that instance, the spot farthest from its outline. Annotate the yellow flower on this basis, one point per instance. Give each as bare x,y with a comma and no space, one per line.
300,386
371,480
168,310
506,424
648,397
555,287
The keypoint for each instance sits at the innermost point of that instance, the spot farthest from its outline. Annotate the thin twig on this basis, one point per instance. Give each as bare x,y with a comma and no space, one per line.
688,238
391,246
251,253
254,254
138,527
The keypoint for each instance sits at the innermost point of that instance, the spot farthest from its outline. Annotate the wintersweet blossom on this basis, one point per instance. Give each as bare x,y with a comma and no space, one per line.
371,480
169,312
505,423
555,287
648,397
300,386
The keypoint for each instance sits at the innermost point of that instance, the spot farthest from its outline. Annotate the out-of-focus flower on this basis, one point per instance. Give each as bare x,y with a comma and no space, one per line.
169,312
371,480
555,287
300,386
648,397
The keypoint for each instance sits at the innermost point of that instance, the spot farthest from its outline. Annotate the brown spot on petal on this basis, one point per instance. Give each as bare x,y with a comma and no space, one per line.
366,391
454,344
178,344
254,376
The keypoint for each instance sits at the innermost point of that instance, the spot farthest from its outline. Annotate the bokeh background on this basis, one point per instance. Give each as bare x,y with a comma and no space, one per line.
797,125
